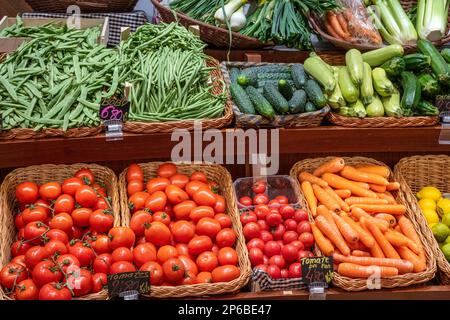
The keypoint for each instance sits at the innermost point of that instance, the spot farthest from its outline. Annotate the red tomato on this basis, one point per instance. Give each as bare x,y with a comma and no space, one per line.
80,217
295,270
225,273
101,204
64,203
85,175
156,201
157,184
99,189
121,237
20,260
259,186
261,267
86,196
205,197
71,185
166,252
122,267
183,209
226,238
189,264
282,199
263,225
134,172
245,201
34,231
262,211
26,290
256,243
208,227
201,212
251,230
99,282
122,254
137,201
204,277
173,270
307,239
55,247
188,279
274,204
274,271
290,252
287,211
179,180
76,233
248,216
158,234
33,214
166,170
134,186
18,220
298,244
11,274
176,195
300,215
183,231
290,236
144,253
198,176
83,253
139,220
303,226
220,205
45,272
21,234
290,225
223,219
193,186
50,191
34,255
272,248
54,291
304,254
156,272
27,192
207,261
215,249
214,187
162,217
62,221
199,244
273,219
284,273
102,263
183,249
68,263
56,234
266,236
277,260
260,199
256,256
278,232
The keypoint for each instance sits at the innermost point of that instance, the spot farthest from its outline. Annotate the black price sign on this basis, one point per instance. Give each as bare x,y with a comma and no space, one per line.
317,269
129,281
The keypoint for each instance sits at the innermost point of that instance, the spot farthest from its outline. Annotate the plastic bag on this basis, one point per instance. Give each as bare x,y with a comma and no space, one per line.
352,24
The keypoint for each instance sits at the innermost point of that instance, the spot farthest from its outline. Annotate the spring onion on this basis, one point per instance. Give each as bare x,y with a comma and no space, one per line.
432,19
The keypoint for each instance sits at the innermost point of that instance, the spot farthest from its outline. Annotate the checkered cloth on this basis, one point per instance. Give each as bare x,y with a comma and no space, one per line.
265,282
116,21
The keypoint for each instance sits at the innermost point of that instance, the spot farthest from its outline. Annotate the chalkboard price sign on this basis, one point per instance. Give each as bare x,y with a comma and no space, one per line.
129,281
114,112
317,269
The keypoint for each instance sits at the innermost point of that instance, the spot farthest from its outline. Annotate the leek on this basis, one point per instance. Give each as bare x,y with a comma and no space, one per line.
431,21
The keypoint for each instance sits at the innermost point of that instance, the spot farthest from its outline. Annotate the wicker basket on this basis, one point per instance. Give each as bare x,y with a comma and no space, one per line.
158,127
318,27
382,122
42,174
414,173
26,133
307,119
398,281
86,6
216,36
221,176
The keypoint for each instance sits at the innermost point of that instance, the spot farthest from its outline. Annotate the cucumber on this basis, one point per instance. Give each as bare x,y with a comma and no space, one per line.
243,80
348,88
299,75
354,62
429,85
285,88
298,102
262,83
241,99
438,64
445,53
367,85
275,98
310,107
411,93
252,76
273,76
234,74
425,108
416,62
270,68
262,106
315,94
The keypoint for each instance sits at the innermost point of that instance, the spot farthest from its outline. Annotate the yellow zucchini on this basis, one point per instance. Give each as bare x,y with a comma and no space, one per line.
367,84
354,61
383,86
348,88
335,99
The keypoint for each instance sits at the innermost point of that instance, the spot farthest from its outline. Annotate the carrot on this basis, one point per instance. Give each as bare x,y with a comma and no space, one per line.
387,197
402,265
349,234
364,236
377,188
352,270
382,208
363,185
358,246
360,213
344,206
387,217
305,176
310,197
331,31
395,239
362,200
375,250
410,243
389,194
332,166
343,193
323,243
379,170
342,22
360,253
325,198
334,237
323,211
408,230
393,186
354,174
332,19
397,228
338,182
419,264
384,244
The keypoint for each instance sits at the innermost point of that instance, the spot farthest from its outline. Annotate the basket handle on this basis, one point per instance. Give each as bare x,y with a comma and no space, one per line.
86,4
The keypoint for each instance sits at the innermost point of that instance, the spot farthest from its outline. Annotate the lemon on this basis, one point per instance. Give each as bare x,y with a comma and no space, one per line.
440,231
429,193
443,206
427,204
446,251
430,215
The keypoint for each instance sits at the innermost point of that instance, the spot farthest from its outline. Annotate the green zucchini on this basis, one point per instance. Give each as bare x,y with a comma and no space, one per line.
354,62
438,64
297,102
383,86
315,94
445,53
321,72
310,107
275,98
425,108
348,88
429,85
234,74
262,106
241,99
416,62
299,75
377,57
367,85
394,67
285,88
411,93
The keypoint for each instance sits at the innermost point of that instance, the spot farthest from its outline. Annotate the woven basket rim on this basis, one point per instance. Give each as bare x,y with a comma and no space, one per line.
350,284
29,133
384,122
232,210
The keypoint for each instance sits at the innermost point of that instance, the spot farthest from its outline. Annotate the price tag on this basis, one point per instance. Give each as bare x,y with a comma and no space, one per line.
317,270
114,112
128,284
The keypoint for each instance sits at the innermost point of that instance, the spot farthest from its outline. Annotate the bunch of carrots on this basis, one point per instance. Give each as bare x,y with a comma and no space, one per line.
358,221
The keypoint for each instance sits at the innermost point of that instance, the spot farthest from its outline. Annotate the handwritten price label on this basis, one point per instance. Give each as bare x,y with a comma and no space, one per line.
112,112
317,269
129,281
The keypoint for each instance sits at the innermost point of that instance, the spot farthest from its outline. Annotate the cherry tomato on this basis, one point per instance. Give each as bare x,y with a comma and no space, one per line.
295,270
259,186
289,236
273,219
274,204
158,234
64,203
99,189
27,192
50,191
76,233
214,187
220,205
225,273
266,236
18,220
263,225
245,201
26,290
56,234
188,279
156,201
162,217
134,172
179,180
208,227
11,274
227,256
45,272
307,239
282,199
85,175
20,260
70,186
278,232
183,231
205,197
34,231
207,261
256,243
86,196
55,247
156,272
274,271
62,221
173,270
303,226
176,195
260,199
201,212
199,176
121,237
102,263
226,238
54,291
80,217
99,282
199,244
262,211
134,186
157,184
272,248
193,186
139,221
204,277
251,230
144,253
80,283
248,216
290,225
189,264
34,214
122,267
223,219
300,215
101,204
166,170
137,201
83,253
68,263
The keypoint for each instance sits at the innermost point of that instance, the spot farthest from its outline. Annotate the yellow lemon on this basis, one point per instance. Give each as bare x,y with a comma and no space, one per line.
431,216
429,193
443,206
427,204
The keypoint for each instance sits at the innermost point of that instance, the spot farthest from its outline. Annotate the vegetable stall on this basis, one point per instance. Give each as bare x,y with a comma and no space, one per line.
362,156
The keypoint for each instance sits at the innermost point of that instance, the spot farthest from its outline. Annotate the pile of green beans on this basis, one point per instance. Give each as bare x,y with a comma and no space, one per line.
57,80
